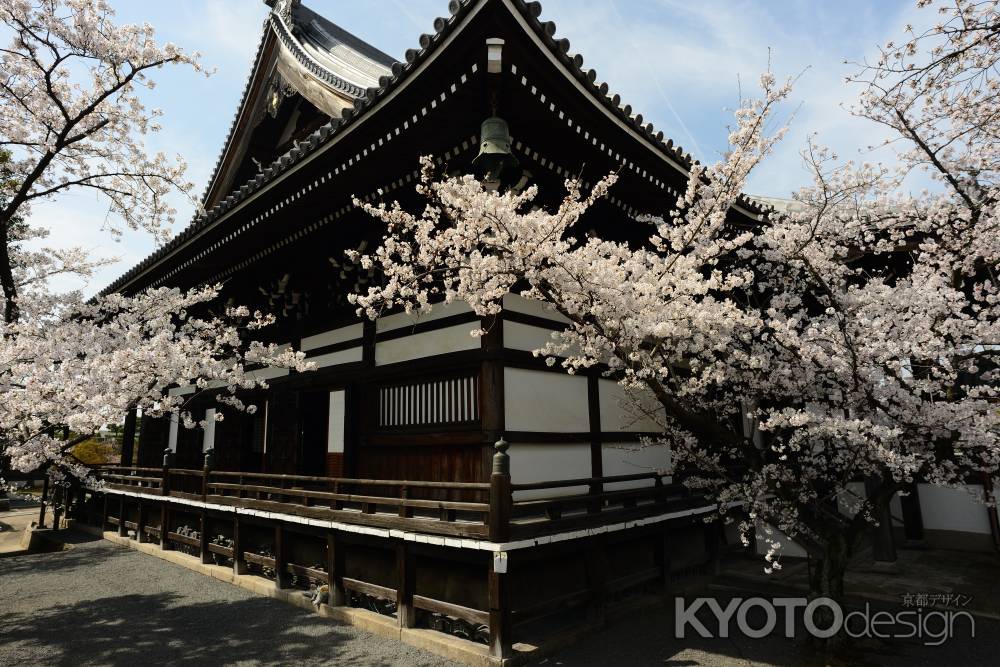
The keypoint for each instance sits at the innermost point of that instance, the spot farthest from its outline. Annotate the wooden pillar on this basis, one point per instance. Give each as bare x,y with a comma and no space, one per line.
164,525
128,439
368,331
335,570
91,508
500,494
140,523
280,557
596,446
491,387
206,556
58,499
239,565
405,613
499,596
104,512
121,516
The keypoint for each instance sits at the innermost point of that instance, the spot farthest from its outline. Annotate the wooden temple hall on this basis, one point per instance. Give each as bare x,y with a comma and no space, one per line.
451,491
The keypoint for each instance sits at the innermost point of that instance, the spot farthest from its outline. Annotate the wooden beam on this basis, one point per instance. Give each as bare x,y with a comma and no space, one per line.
500,622
164,525
206,555
335,570
405,612
280,557
239,565
121,516
140,524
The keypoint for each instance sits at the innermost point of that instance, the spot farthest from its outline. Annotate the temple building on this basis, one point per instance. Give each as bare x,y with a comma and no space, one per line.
379,473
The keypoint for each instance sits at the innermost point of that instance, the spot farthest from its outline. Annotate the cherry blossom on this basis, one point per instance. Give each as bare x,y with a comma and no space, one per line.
73,116
851,337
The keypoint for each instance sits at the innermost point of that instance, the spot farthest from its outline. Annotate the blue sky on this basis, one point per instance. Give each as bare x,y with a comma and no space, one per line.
678,62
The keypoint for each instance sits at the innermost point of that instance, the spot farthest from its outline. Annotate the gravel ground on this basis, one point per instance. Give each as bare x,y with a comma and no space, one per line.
101,604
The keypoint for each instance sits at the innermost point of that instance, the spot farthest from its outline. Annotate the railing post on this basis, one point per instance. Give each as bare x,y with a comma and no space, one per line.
405,512
205,472
168,460
500,493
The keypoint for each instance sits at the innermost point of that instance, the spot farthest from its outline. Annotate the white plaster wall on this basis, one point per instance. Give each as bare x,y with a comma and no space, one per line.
208,434
952,509
427,344
517,336
332,337
172,436
631,459
618,413
268,373
519,304
335,429
399,320
530,462
341,357
545,401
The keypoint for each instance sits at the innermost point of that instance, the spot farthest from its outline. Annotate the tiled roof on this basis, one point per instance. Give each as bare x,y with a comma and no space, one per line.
399,71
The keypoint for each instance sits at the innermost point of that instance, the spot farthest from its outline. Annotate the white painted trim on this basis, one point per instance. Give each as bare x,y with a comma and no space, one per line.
437,312
268,373
351,354
332,337
459,543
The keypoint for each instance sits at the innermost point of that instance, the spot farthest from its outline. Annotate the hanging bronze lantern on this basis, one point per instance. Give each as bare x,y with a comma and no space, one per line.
495,162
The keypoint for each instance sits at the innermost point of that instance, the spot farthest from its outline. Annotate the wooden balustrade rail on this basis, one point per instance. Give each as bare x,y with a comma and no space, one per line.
498,515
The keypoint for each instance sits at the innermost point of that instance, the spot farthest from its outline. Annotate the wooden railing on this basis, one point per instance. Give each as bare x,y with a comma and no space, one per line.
499,512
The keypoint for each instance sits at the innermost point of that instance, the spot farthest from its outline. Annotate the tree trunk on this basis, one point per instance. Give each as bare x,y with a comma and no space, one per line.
826,580
10,313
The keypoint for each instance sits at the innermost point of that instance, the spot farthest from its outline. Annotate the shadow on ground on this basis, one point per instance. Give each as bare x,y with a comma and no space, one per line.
97,603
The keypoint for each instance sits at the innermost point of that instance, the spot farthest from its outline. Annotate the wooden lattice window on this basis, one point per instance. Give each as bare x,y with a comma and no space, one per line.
446,401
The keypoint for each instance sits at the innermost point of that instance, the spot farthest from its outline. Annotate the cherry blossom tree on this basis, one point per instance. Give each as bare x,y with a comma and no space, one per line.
72,116
853,338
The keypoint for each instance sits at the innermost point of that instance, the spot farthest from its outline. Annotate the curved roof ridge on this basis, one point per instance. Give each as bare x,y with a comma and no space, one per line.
400,71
